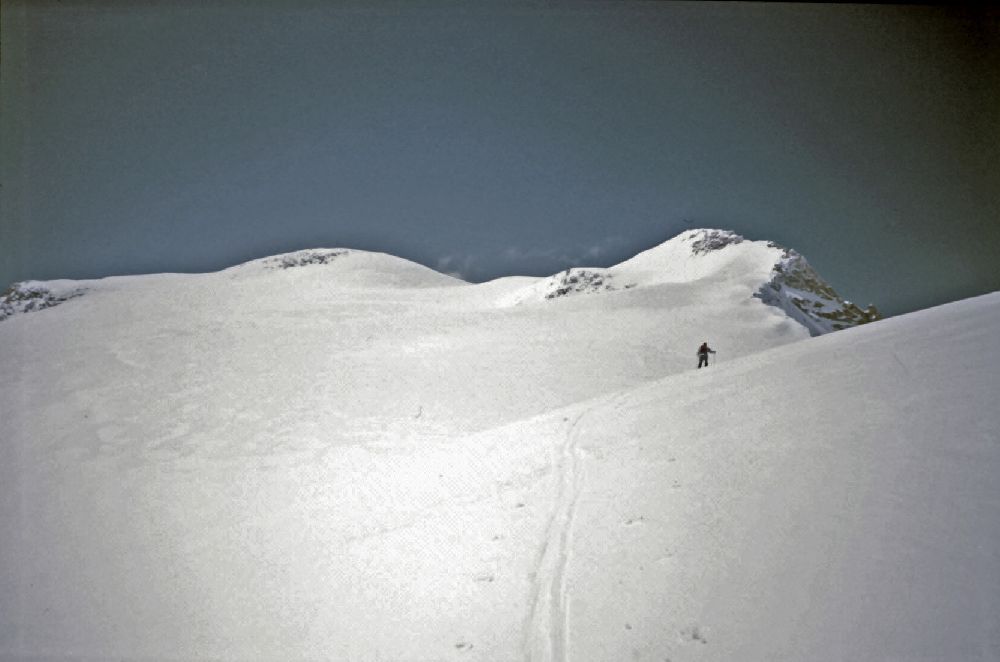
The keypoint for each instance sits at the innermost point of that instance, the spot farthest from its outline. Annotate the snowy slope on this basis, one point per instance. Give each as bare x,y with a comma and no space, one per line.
835,499
372,461
377,340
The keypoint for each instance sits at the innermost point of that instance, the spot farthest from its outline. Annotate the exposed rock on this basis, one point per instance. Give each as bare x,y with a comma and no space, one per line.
30,296
303,258
576,281
799,290
705,241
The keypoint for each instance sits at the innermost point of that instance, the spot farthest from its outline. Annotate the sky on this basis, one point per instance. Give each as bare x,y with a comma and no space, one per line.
491,138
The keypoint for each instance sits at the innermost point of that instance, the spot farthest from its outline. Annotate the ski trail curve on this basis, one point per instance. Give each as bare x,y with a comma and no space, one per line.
546,627
548,619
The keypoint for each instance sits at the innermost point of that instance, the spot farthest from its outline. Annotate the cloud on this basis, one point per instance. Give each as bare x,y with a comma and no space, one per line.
515,260
603,247
518,254
456,266
563,256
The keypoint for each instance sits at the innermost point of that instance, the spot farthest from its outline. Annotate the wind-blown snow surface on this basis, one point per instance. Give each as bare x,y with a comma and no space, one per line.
357,458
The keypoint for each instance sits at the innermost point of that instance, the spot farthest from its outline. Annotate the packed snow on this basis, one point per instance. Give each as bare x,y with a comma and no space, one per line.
342,455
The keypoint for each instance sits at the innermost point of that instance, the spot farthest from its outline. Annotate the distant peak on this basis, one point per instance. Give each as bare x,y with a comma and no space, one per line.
778,276
348,267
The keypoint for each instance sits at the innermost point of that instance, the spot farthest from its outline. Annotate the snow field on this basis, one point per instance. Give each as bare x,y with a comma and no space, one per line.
333,462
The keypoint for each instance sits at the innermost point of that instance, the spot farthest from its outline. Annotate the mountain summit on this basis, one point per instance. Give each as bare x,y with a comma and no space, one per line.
776,275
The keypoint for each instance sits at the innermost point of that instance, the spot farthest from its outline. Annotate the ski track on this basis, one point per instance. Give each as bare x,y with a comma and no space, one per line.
548,628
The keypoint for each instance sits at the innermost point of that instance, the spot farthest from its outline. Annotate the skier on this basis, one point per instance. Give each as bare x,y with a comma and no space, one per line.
703,353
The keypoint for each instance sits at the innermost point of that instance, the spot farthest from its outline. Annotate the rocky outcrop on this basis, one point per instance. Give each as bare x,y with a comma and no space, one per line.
706,241
30,296
802,293
303,258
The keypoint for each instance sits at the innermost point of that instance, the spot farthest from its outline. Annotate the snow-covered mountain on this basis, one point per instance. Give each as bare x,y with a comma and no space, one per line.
335,454
382,334
778,276
781,276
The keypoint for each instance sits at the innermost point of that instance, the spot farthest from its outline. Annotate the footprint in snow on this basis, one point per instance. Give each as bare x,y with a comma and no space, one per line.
694,633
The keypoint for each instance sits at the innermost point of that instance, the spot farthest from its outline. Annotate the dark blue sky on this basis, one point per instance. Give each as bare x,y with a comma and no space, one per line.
502,138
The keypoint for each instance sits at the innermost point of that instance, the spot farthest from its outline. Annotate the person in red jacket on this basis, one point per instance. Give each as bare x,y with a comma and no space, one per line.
703,353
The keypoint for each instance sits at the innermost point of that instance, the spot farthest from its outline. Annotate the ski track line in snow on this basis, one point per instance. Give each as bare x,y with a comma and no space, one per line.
547,627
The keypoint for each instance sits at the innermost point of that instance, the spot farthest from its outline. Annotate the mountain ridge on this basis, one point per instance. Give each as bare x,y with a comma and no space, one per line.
777,276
